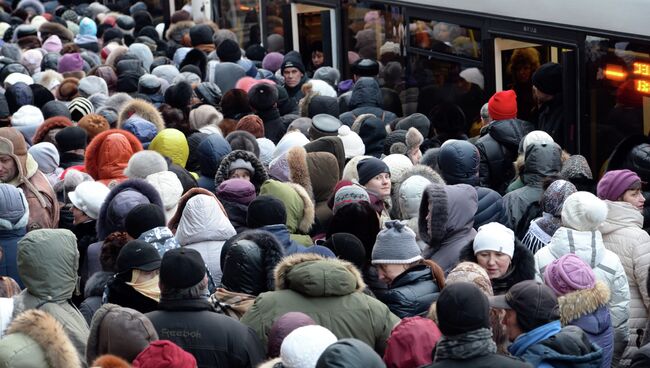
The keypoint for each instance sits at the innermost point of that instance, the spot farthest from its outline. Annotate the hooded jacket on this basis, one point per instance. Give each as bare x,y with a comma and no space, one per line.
305,283
36,339
50,285
143,109
498,149
450,227
324,174
366,98
542,161
108,155
173,144
331,144
204,227
623,235
588,245
300,208
12,231
223,173
349,353
210,154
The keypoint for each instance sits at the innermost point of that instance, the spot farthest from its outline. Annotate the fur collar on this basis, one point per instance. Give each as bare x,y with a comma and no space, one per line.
48,333
582,302
289,262
144,110
178,29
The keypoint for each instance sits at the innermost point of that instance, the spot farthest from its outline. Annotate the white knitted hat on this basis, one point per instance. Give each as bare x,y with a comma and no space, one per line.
304,345
89,197
583,211
27,115
495,237
352,143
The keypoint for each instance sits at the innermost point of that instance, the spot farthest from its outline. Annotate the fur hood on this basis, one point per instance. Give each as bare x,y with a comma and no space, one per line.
258,178
177,30
56,122
313,275
417,170
176,219
104,164
324,170
522,267
299,170
41,331
52,28
296,222
142,109
582,302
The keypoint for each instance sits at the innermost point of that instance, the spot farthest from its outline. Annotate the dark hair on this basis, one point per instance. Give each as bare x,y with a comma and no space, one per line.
110,249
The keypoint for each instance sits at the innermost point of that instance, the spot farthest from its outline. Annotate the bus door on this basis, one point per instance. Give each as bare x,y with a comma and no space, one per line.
313,31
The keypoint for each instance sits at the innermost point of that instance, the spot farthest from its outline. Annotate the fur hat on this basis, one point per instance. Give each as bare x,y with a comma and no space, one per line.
243,140
252,124
583,211
263,96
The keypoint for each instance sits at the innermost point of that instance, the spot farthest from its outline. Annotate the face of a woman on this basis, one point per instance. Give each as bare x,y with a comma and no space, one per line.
495,263
380,185
388,272
635,198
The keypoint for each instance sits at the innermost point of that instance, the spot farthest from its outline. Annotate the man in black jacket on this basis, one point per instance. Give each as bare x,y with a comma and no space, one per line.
547,89
185,316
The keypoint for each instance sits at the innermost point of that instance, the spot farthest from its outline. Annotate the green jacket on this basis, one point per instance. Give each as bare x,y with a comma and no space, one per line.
47,265
330,292
299,206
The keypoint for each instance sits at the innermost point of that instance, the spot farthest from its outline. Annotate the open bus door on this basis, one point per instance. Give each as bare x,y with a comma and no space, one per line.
313,25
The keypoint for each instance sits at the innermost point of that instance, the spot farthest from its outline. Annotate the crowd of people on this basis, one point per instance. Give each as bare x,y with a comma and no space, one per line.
168,199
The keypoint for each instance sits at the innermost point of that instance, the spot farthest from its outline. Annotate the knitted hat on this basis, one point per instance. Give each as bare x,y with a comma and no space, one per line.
614,183
71,63
494,237
352,143
462,307
349,194
471,272
71,138
292,60
282,327
369,168
164,354
548,79
89,196
328,74
80,107
236,190
241,164
143,218
265,210
503,105
145,163
181,268
272,61
263,96
229,51
304,345
201,34
395,245
583,211
93,124
569,273
252,124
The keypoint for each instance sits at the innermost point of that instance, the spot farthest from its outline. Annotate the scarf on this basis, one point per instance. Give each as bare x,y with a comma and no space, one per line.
147,288
465,346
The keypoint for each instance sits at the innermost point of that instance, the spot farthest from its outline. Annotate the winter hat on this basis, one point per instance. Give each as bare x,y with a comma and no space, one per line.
569,273
350,352
166,72
323,125
201,34
548,79
164,354
614,183
181,268
89,196
328,74
411,342
304,345
503,105
365,68
349,194
55,108
395,245
282,327
535,137
143,218
236,190
291,139
397,164
243,140
229,51
369,168
71,63
272,61
32,59
17,95
583,211
352,143
41,94
348,247
256,53
14,210
473,273
265,210
145,163
204,116
417,121
576,167
71,138
263,96
92,84
53,44
179,95
266,150
535,304
87,27
292,60
170,189
14,78
554,196
46,155
93,124
137,254
252,124
80,107
27,115
149,84
462,307
494,237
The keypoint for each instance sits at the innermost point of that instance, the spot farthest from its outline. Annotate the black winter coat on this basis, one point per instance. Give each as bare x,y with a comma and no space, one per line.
366,98
550,118
213,339
274,126
69,159
126,296
411,293
93,293
237,213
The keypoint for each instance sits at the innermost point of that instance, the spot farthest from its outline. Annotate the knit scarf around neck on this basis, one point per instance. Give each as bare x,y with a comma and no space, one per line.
465,346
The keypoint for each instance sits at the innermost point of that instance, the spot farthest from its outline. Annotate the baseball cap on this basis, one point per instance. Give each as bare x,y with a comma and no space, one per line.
138,254
535,304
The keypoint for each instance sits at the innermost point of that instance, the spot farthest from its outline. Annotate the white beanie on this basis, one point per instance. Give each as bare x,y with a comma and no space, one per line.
495,237
89,197
583,211
397,164
170,189
352,143
304,345
291,139
473,75
14,78
27,115
266,150
145,163
536,137
322,88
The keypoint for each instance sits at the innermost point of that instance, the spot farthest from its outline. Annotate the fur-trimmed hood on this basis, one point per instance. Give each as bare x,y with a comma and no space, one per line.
312,275
324,169
331,144
179,29
56,122
35,332
142,109
299,206
52,28
399,209
298,169
249,267
108,154
175,220
522,267
582,302
258,178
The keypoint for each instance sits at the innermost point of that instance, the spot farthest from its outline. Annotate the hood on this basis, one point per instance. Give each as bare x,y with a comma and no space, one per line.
56,279
620,215
453,208
315,276
406,201
210,153
324,170
258,177
300,208
509,132
203,220
177,30
143,109
372,132
170,189
143,129
56,122
173,222
588,245
458,162
350,353
333,145
542,161
173,144
570,346
38,329
366,92
297,168
109,152
580,303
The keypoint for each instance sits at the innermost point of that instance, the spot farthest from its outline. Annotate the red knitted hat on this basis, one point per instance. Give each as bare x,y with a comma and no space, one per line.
503,105
164,354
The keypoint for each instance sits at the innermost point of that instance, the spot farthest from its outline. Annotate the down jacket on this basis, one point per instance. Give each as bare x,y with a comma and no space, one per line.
588,245
211,152
623,235
330,291
366,98
108,155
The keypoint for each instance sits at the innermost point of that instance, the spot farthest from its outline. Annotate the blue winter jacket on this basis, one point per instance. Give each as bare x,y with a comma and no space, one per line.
598,326
9,263
281,232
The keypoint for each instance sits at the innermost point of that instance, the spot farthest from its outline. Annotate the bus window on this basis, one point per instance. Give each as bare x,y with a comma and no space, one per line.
446,37
275,25
241,17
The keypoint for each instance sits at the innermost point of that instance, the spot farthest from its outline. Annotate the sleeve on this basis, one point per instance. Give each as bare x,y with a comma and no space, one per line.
539,264
620,312
641,259
484,167
254,351
384,322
